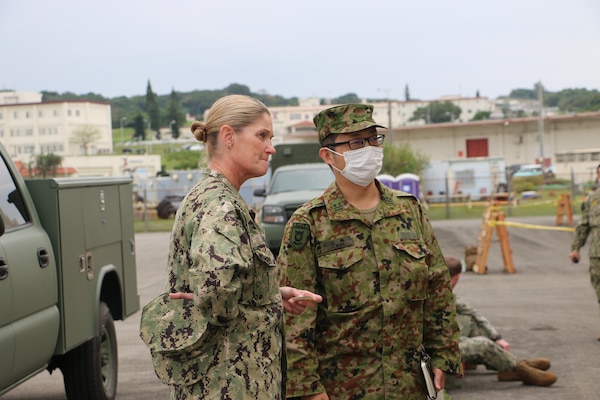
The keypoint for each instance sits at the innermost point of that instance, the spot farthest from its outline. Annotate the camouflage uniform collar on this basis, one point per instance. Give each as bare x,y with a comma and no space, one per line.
213,173
338,207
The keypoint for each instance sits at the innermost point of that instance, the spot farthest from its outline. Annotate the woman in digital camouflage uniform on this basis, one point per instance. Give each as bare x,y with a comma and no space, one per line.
219,257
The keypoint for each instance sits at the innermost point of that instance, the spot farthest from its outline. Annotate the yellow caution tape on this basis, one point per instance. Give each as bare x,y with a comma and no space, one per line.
530,226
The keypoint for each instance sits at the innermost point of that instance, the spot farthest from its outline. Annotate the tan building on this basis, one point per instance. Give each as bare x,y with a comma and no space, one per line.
570,143
515,140
64,128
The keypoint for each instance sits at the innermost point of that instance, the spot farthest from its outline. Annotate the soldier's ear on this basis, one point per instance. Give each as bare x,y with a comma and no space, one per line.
326,155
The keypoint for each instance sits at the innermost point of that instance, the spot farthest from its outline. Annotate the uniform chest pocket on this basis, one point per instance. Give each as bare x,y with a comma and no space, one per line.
413,268
264,278
348,283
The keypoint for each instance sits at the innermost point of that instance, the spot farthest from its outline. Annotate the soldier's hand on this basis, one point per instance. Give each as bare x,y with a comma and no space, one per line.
574,256
295,301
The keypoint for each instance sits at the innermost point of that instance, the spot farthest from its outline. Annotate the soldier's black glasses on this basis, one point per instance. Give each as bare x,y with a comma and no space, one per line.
375,140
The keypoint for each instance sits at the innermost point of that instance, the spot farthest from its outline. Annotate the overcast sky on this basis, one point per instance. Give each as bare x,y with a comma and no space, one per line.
303,48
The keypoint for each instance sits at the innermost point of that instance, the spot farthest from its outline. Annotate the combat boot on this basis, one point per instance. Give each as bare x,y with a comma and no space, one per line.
538,363
533,376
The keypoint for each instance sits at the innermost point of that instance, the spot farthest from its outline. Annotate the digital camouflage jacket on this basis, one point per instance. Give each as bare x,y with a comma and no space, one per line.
219,253
386,290
589,225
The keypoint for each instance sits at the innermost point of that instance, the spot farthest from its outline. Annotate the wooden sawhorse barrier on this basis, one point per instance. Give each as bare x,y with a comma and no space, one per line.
491,215
564,207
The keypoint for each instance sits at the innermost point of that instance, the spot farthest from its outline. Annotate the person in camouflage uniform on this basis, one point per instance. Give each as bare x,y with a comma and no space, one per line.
589,227
371,253
480,343
219,334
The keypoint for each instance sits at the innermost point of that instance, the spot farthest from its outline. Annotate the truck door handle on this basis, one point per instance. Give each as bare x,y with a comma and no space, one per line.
3,269
43,257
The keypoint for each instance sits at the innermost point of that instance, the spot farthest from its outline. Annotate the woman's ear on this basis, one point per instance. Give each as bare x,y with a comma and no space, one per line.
227,133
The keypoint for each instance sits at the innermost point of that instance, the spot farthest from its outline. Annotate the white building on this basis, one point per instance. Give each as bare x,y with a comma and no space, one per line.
298,120
33,128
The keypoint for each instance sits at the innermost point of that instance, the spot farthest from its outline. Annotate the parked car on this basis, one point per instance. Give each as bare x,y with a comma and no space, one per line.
529,170
167,208
290,187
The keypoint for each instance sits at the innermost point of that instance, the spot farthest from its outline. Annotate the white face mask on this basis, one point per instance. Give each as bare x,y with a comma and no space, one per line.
362,165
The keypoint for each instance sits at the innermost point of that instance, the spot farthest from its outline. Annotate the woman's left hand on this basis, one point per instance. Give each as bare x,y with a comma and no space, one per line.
182,295
295,300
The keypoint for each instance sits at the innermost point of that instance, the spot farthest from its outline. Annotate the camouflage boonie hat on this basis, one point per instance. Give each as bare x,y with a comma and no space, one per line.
344,119
171,325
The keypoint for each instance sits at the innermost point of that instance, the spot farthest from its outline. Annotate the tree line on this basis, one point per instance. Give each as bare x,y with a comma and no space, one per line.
152,111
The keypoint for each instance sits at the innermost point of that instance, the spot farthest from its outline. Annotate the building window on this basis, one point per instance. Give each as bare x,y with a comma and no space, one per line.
26,114
40,114
77,113
15,115
68,113
55,113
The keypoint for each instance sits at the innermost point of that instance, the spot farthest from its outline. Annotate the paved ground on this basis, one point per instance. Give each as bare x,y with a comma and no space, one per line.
546,309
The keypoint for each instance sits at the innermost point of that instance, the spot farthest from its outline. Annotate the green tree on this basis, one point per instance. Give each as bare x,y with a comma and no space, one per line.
85,137
139,128
437,112
406,93
48,163
400,159
153,110
346,99
236,88
175,115
481,115
184,159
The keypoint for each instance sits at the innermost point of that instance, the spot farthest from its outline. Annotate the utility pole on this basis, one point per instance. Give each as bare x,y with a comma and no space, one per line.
541,122
390,119
123,119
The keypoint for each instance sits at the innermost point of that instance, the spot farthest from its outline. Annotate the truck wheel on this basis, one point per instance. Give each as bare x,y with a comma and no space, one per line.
90,370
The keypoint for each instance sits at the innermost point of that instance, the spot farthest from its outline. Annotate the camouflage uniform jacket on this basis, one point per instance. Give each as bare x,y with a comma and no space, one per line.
386,290
219,253
589,225
471,322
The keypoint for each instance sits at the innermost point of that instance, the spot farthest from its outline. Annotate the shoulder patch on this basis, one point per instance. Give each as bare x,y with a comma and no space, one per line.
299,236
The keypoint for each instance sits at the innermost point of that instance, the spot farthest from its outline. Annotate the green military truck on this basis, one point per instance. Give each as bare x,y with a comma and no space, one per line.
67,271
297,175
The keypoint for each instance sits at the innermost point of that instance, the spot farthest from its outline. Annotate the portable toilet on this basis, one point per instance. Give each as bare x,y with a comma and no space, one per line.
387,180
408,183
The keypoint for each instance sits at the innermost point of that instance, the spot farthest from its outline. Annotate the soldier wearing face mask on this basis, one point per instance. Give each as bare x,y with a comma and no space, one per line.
371,253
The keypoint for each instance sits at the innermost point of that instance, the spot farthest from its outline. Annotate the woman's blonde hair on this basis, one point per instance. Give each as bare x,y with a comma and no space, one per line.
236,110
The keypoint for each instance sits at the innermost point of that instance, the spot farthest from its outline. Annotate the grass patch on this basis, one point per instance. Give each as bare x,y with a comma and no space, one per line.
545,204
154,225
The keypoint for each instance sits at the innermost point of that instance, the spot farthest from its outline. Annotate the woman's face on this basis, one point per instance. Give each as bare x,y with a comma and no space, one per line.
252,147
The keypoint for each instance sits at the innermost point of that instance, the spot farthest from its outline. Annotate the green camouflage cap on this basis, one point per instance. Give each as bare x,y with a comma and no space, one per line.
171,325
344,119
